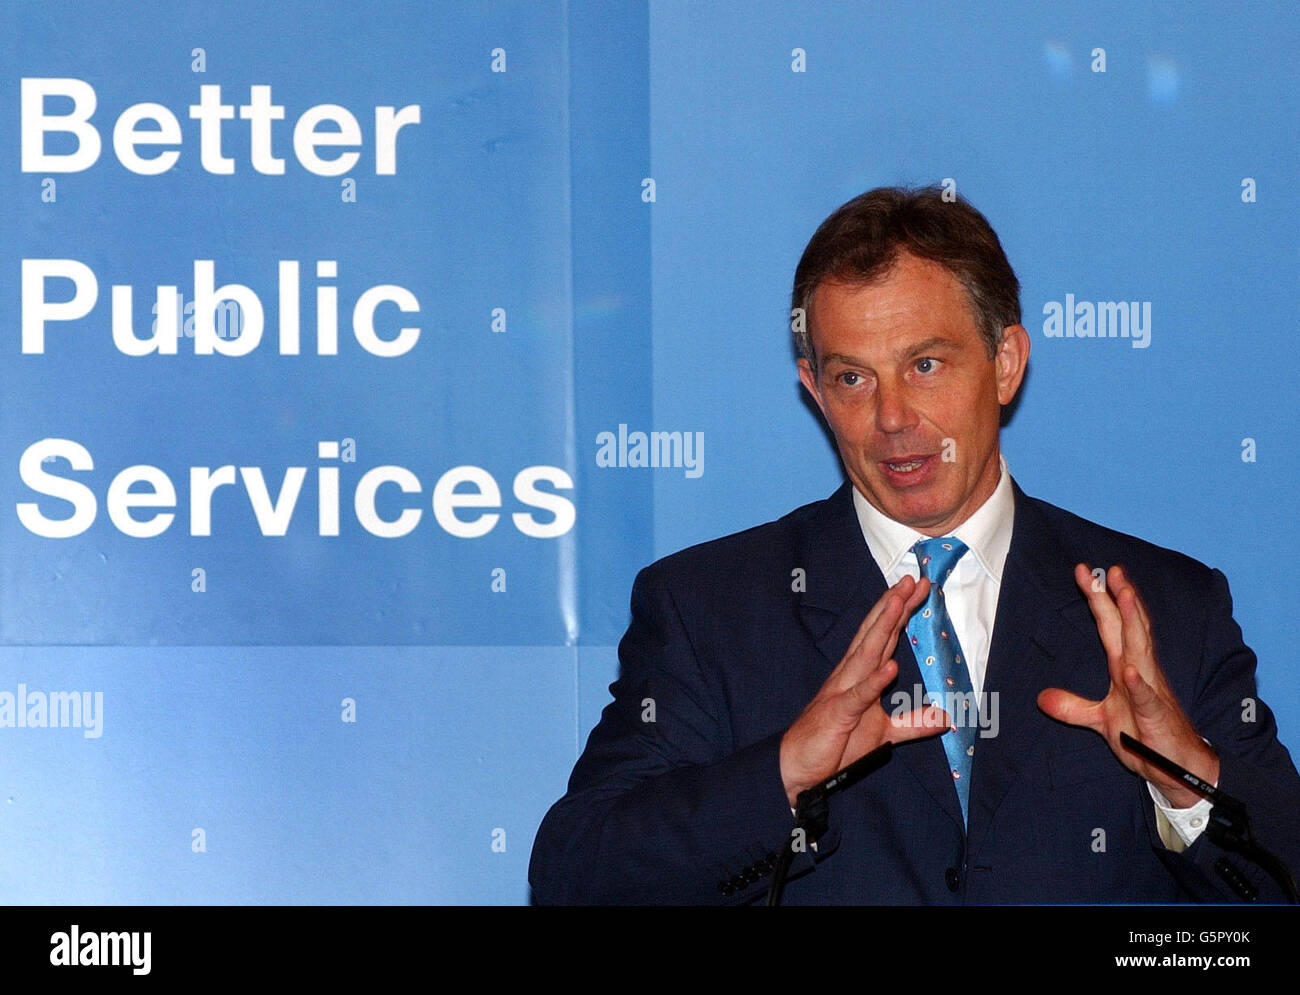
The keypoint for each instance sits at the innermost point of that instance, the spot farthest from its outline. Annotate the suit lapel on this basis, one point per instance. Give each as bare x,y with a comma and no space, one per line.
843,583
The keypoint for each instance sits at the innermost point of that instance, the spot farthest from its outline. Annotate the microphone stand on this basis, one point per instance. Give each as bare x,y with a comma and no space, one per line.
1229,827
812,813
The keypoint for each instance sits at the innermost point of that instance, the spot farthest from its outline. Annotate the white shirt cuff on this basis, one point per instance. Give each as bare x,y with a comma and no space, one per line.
1188,823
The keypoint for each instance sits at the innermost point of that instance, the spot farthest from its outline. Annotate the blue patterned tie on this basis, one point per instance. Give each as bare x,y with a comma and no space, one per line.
943,667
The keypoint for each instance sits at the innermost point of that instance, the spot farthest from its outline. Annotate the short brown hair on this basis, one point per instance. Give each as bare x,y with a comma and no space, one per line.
862,239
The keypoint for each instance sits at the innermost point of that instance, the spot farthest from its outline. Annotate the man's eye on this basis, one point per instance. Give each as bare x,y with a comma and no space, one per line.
850,379
927,365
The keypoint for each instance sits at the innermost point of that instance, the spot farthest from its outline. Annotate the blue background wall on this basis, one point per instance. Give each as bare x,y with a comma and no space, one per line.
523,190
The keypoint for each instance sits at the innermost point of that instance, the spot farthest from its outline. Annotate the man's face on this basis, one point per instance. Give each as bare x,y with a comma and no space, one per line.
910,393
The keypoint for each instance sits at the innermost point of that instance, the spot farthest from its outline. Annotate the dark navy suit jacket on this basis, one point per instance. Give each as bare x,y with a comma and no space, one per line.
678,796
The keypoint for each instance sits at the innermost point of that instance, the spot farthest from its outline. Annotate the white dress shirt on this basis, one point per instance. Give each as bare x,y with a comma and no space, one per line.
971,596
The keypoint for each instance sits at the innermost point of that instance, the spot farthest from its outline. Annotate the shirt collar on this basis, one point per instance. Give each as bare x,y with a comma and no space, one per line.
987,533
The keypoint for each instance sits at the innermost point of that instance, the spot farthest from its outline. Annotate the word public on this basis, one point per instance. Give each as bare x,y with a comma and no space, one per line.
41,307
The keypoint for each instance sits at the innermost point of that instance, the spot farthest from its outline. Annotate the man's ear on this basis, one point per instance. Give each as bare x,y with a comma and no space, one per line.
1011,360
809,379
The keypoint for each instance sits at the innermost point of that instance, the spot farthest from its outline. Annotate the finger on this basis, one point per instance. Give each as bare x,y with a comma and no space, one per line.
893,599
1107,617
1070,708
1125,581
1139,643
1142,696
1102,604
1138,651
918,723
919,594
878,641
911,593
853,665
845,708
848,707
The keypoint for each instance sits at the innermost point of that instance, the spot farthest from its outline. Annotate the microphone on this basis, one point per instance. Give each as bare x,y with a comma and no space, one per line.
1229,826
812,813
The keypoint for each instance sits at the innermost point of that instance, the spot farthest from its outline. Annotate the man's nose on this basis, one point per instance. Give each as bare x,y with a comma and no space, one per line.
894,411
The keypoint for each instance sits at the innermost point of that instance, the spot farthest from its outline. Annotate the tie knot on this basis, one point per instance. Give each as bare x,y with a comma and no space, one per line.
937,557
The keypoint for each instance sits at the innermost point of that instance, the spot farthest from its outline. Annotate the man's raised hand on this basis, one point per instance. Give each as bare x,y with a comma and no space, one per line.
1139,702
845,720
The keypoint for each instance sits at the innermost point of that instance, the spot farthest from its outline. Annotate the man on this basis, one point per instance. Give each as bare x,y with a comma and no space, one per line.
1005,657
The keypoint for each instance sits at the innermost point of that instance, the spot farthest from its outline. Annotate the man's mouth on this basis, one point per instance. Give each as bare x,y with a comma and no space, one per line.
906,464
909,469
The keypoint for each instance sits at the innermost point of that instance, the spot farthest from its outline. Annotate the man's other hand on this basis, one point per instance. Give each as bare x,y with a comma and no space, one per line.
1139,701
845,720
